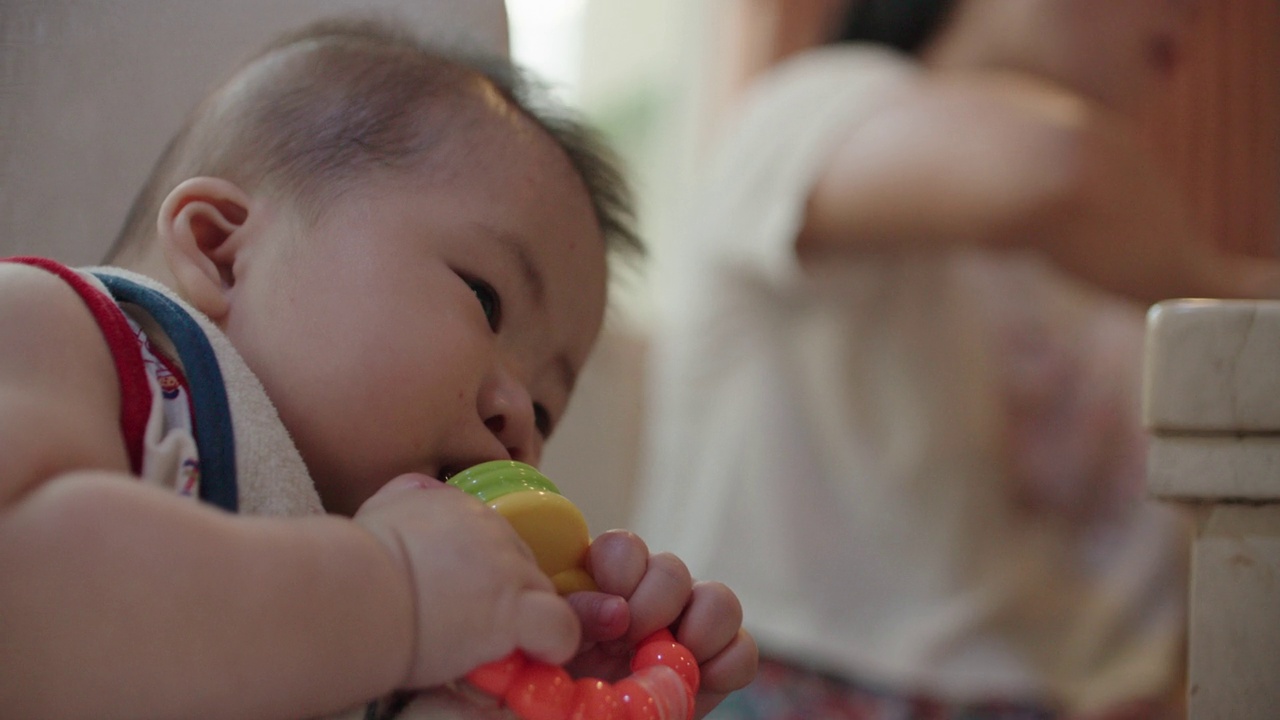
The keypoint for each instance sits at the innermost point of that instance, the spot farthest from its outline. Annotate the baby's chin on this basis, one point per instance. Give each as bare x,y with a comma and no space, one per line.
344,497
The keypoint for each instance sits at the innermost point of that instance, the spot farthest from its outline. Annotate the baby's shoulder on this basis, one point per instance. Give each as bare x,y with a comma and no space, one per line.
44,320
34,297
60,403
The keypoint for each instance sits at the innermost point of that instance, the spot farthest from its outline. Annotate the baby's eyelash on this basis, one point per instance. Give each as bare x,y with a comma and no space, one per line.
489,300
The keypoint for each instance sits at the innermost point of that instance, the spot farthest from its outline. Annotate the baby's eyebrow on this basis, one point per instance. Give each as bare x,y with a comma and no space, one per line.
537,290
528,271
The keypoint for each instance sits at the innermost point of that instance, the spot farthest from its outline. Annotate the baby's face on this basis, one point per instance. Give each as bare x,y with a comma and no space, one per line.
427,323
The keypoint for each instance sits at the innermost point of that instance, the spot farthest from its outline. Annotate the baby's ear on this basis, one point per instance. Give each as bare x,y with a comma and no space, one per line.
198,226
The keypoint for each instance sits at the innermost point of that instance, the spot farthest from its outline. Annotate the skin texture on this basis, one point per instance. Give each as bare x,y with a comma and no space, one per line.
374,330
1020,134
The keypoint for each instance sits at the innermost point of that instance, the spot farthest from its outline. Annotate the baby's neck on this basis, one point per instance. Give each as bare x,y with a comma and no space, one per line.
151,264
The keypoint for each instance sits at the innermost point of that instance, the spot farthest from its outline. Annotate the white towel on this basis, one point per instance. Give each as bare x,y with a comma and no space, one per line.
271,477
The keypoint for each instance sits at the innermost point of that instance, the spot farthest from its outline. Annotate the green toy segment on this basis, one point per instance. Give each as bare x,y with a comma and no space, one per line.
491,480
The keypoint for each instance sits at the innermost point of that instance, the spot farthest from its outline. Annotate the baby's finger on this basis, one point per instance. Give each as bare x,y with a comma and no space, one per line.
393,490
603,617
660,597
546,626
706,702
733,668
617,561
711,620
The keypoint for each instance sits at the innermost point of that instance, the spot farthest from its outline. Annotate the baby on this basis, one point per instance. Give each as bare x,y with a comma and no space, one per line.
363,265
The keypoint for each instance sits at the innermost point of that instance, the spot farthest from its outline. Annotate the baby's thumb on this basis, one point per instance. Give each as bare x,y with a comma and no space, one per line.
410,482
546,627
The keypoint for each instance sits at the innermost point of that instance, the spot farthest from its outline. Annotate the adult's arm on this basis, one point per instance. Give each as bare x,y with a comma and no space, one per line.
123,600
1004,161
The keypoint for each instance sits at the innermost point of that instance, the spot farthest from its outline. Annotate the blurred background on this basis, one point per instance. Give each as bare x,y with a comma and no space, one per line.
658,77
91,89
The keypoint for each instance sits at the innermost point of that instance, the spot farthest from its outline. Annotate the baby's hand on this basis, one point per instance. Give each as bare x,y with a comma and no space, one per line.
477,592
641,593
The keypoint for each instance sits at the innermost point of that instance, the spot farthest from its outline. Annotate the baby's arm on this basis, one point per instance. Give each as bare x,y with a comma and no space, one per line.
122,600
657,592
125,601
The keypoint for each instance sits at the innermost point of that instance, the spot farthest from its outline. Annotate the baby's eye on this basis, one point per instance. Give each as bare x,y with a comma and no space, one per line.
542,419
489,302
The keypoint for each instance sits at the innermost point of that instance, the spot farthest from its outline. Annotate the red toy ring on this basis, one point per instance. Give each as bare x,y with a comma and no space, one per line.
665,675
539,691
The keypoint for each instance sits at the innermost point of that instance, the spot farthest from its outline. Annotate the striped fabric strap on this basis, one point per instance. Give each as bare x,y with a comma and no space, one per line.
215,439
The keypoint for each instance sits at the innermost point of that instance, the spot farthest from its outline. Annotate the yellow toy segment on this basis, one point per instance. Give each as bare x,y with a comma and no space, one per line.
555,530
573,580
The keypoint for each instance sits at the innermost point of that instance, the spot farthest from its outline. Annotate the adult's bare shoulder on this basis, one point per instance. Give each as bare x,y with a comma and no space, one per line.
59,397
1005,160
950,159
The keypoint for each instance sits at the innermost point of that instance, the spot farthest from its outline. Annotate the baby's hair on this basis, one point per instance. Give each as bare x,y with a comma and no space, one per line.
321,107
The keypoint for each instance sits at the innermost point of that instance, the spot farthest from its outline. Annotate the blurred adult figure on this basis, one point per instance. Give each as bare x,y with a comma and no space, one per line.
895,381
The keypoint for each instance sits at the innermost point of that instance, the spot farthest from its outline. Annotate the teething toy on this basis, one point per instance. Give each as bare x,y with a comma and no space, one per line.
665,674
549,524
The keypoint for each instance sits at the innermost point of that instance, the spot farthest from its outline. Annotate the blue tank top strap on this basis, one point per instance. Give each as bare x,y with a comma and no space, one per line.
215,439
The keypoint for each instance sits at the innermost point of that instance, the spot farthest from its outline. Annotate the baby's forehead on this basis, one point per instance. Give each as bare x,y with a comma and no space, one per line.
499,140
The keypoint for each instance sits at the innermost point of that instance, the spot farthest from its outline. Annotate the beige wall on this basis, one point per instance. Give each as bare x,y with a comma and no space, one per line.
90,90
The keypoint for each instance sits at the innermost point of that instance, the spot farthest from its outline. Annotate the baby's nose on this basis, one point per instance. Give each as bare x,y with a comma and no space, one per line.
507,411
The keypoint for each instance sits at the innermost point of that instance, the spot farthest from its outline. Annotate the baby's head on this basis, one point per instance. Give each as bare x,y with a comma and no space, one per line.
409,255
